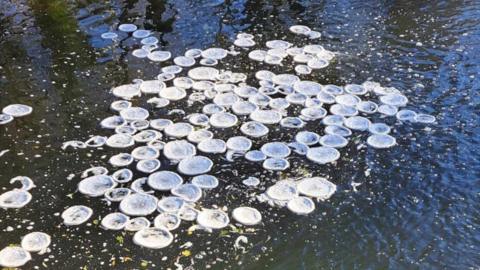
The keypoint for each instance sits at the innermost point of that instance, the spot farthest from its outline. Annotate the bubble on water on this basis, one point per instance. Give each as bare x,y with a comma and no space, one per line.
114,221
137,224
397,100
120,141
76,215
243,107
5,119
16,198
225,99
25,181
154,238
195,165
160,124
357,123
406,115
126,91
127,27
276,150
239,143
157,144
183,82
138,204
301,205
164,180
223,120
247,215
17,110
205,181
379,128
381,141
388,110
122,176
178,150
283,190
95,186
316,187
121,160
425,118
159,56
14,257
214,53
314,35
148,165
333,120
178,130
188,192
173,93
323,155
296,98
138,186
109,35
343,110
203,73
117,194
167,221
276,164
113,122
141,33
213,219
199,135
300,29
36,242
195,53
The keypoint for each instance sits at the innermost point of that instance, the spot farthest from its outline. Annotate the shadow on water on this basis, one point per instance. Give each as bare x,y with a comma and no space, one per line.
416,207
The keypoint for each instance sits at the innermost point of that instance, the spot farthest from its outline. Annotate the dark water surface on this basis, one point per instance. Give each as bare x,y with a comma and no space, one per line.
419,203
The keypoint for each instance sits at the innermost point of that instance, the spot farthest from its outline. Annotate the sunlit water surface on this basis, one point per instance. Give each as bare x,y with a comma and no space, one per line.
418,203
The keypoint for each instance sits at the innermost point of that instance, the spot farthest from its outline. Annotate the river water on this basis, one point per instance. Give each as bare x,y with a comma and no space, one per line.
418,203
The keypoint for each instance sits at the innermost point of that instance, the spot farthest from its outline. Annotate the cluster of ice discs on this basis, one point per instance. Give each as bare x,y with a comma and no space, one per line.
17,256
276,100
13,111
